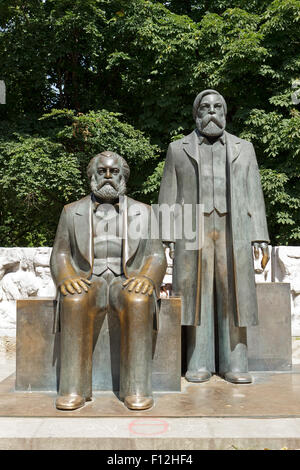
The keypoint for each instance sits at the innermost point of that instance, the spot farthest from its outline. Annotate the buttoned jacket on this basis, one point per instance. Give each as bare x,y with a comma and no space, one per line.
73,250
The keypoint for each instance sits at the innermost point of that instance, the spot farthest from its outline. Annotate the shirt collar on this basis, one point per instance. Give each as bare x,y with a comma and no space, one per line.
202,138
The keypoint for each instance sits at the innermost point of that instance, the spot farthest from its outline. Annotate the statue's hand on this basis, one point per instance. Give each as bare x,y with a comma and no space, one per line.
172,250
71,286
265,252
171,246
139,284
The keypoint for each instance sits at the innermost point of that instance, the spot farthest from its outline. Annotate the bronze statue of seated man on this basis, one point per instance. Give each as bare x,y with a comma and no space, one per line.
104,258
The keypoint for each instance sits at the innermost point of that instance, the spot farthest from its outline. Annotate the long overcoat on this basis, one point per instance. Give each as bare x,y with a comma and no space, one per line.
181,185
73,251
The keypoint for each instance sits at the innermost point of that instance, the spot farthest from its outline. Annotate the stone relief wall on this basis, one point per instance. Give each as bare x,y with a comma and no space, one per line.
25,272
286,268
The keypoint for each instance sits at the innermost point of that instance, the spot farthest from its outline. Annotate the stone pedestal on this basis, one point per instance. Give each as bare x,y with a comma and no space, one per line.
269,343
38,349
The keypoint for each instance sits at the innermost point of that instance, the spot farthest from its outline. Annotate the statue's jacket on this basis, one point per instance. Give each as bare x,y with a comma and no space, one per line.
246,211
73,251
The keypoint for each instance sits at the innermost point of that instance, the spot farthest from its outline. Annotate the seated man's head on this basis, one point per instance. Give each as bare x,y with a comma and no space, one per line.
209,111
108,173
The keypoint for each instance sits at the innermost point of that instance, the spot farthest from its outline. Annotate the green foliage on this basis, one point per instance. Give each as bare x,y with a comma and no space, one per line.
142,63
40,173
278,140
37,178
196,9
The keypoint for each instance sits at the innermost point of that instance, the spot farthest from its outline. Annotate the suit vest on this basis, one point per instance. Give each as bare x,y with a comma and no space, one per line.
107,242
213,176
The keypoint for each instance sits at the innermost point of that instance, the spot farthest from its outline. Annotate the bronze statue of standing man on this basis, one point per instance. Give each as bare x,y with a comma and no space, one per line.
104,258
216,280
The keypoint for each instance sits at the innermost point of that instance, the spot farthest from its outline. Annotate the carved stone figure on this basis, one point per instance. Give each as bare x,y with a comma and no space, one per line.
24,273
103,258
287,269
216,280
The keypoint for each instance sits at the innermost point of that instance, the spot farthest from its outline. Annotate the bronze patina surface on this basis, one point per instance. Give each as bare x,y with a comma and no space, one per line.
38,348
271,395
104,259
270,342
217,171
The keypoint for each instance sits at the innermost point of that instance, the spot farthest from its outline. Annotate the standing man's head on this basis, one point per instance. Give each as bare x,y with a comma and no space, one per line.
108,173
209,112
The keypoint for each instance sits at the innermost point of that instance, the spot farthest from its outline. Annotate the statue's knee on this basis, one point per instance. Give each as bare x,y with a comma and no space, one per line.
136,299
74,301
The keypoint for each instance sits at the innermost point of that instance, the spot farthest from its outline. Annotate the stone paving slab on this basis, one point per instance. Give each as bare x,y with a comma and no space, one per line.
271,395
79,431
149,434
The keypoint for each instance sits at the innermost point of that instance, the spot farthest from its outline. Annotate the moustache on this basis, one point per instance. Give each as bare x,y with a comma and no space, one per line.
208,118
111,183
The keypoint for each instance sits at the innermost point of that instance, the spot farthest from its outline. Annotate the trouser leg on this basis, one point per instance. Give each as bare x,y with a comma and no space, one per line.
232,340
200,345
136,345
77,323
200,339
136,320
76,346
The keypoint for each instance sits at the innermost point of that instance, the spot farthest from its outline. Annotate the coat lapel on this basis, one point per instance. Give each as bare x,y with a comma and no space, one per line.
190,145
233,147
83,229
131,216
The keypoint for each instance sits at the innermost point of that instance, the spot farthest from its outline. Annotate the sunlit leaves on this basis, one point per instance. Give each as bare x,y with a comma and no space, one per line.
142,63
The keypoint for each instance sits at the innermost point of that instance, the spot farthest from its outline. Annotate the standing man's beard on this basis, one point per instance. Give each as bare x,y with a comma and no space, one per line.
211,126
108,191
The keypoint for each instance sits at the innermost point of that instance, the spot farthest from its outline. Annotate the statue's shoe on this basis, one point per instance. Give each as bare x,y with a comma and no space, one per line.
69,402
238,377
134,402
198,375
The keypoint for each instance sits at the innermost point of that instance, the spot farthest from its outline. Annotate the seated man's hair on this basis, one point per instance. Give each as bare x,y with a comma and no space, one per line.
122,162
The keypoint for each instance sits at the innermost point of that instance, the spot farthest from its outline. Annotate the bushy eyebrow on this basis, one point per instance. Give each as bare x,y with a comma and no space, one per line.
207,102
105,167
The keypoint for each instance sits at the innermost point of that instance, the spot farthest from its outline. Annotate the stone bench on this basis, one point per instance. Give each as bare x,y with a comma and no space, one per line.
269,343
38,349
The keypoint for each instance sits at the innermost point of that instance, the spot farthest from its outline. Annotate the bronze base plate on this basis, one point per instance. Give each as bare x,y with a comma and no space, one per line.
271,395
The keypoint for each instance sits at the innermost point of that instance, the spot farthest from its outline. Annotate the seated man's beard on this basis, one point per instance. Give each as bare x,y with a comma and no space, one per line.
211,126
108,190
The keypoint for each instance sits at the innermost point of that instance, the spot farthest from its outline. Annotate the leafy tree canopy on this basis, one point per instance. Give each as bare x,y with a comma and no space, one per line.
44,167
123,74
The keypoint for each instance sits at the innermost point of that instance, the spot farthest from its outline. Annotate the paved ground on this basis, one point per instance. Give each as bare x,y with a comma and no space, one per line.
147,432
